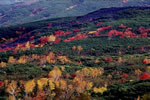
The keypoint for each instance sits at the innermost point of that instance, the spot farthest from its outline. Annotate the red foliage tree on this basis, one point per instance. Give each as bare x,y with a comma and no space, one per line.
1,83
145,76
125,75
76,30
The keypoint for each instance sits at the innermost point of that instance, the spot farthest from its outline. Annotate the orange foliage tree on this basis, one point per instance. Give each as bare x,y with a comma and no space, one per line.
3,64
79,48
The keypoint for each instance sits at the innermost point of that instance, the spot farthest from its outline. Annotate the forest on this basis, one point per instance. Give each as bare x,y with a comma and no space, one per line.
103,55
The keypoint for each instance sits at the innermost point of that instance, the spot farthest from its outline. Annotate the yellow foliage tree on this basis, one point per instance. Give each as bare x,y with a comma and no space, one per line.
27,45
92,32
51,38
100,90
63,59
90,72
80,85
89,85
62,68
11,60
109,76
29,86
41,83
23,59
50,58
63,84
51,84
55,74
57,84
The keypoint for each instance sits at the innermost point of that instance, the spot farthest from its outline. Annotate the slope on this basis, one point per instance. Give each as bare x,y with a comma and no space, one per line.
24,12
111,44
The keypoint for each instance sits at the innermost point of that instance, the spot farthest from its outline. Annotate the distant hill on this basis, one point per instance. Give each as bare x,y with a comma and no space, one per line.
130,16
29,11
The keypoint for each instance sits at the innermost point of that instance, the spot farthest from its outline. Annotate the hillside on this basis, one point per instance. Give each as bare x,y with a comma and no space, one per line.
24,12
103,55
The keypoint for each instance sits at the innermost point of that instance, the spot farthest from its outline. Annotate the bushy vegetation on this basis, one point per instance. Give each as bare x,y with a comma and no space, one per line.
99,57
